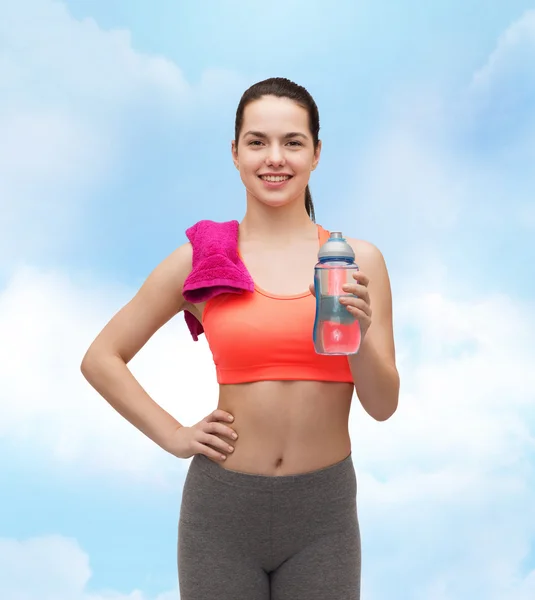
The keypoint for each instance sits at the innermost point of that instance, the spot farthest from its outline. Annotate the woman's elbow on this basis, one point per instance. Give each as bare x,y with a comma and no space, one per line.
87,366
93,360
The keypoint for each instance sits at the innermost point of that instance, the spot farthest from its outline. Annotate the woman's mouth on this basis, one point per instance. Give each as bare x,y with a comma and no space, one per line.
275,178
275,181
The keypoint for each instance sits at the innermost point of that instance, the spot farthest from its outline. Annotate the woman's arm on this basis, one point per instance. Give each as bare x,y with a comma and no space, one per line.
374,367
105,362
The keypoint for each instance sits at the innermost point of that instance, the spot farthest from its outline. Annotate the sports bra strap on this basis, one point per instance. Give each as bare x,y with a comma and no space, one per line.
323,235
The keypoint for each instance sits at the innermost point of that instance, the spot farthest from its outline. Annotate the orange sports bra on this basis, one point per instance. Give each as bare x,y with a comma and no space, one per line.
258,336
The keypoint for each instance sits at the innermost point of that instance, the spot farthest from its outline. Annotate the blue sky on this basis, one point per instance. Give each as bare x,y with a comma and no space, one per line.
116,122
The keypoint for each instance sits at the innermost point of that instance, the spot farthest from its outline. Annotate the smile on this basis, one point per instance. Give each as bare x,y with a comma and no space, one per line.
275,178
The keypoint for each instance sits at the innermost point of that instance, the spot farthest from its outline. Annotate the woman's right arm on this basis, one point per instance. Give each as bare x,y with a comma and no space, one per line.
105,363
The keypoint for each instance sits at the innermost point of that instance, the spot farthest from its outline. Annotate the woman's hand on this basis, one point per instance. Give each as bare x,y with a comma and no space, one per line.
204,437
359,304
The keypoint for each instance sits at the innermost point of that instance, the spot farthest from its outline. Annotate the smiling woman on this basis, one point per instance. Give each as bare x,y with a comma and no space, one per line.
285,101
269,504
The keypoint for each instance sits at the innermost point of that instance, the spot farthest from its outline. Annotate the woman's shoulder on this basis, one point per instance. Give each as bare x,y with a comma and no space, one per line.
367,255
175,267
182,256
364,247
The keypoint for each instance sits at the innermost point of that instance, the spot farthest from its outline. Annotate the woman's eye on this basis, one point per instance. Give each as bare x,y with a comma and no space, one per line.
291,143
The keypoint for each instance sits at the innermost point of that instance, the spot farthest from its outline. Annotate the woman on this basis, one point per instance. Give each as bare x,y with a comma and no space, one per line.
269,505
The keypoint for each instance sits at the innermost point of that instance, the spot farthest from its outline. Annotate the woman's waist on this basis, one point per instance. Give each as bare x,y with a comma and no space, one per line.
287,427
284,407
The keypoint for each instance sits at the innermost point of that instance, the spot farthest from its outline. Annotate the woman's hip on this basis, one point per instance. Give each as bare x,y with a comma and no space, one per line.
325,497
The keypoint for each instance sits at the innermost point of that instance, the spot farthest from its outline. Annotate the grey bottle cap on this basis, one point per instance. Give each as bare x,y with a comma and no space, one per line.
336,247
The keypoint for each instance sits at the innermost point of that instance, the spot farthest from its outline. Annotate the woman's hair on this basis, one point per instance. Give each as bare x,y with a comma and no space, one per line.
283,88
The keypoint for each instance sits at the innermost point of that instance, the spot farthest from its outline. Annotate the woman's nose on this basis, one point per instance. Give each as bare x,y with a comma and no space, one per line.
275,156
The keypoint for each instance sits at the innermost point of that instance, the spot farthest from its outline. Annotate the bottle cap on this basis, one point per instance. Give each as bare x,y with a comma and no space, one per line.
336,247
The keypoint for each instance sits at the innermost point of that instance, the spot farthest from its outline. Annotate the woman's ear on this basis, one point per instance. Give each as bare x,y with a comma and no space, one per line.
317,154
234,150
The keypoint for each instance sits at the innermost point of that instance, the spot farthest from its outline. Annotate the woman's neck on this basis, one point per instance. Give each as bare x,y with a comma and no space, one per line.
284,222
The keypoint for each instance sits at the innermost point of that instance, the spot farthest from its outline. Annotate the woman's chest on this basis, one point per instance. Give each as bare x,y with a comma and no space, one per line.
282,273
279,323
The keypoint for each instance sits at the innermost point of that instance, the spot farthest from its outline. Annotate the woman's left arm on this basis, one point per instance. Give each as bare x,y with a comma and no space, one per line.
374,366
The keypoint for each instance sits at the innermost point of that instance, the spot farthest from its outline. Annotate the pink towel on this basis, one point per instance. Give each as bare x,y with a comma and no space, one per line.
216,266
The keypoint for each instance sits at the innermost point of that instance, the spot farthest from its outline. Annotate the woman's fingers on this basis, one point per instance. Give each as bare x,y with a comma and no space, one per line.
219,415
215,442
358,290
200,448
356,303
221,429
210,432
361,278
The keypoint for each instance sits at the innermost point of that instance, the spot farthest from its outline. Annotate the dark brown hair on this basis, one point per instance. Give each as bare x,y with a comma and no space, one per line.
283,88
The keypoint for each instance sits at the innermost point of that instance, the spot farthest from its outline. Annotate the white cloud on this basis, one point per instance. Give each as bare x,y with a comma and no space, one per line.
404,172
499,109
454,165
513,55
49,322
68,91
53,568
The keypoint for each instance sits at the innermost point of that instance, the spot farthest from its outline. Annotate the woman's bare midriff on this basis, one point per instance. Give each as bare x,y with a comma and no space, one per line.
287,427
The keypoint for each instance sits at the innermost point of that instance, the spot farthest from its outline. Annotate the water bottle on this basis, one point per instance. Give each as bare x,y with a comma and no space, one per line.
336,330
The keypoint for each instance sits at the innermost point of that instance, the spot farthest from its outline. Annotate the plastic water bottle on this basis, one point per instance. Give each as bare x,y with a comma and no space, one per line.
336,330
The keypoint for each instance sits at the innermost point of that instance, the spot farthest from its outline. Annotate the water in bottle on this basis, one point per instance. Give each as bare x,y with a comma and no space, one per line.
336,330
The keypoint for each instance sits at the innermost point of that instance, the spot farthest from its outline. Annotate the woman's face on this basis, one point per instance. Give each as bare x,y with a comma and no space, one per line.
275,152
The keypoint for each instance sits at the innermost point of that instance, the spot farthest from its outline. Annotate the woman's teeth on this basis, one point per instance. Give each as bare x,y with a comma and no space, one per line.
275,178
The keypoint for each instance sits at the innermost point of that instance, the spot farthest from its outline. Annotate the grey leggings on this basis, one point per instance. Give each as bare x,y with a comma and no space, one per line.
253,537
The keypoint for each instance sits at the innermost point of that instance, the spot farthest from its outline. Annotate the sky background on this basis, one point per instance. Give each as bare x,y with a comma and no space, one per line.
115,127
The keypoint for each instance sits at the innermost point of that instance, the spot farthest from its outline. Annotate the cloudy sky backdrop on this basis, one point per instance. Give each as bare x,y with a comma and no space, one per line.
115,128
